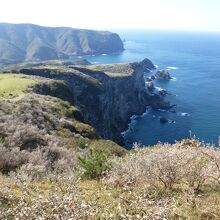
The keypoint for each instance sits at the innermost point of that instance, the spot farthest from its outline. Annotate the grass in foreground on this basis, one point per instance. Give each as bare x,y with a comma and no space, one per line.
14,86
179,181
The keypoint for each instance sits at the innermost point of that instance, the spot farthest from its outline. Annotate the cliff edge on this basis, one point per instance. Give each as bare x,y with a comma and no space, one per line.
107,95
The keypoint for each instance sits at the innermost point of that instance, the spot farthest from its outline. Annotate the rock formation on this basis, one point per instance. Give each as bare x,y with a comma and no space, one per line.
163,74
160,74
147,64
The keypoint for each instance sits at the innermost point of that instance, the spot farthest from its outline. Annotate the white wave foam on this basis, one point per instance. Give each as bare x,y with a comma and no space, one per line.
183,114
158,88
133,121
133,117
156,66
104,54
172,68
123,133
173,78
129,41
171,121
162,110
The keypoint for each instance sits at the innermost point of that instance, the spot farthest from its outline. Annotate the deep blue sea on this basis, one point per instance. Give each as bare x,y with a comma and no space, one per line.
193,58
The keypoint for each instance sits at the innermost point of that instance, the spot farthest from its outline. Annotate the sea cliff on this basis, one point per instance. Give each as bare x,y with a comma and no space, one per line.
107,95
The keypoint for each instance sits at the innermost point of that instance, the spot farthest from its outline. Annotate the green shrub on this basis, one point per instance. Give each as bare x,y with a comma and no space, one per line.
94,165
83,143
108,147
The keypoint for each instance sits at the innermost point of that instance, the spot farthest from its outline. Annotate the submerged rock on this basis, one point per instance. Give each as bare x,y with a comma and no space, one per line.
153,77
163,92
163,120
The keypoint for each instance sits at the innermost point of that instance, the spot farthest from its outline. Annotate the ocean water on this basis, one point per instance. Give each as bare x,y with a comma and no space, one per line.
193,58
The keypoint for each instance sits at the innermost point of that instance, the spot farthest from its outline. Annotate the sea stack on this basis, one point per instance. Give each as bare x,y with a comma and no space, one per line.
163,74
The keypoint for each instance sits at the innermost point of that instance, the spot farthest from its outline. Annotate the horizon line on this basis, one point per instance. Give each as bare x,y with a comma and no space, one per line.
114,28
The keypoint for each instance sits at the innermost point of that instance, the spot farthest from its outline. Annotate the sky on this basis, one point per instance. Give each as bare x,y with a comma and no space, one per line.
203,15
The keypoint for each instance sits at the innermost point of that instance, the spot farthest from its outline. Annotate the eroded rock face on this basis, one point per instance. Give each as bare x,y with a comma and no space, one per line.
107,99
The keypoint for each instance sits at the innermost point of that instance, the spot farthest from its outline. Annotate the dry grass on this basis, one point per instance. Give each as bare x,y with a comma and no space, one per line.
115,70
179,181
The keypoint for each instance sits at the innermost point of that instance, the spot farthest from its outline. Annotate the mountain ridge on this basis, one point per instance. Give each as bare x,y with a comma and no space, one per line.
19,42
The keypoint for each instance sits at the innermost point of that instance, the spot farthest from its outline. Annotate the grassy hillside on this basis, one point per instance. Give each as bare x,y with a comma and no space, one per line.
14,85
34,115
115,70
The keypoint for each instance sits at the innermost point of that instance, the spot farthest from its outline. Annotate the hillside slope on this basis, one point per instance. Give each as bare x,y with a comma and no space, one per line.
20,42
30,121
55,165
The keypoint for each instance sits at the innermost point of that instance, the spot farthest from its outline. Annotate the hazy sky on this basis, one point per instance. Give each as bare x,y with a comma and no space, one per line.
113,14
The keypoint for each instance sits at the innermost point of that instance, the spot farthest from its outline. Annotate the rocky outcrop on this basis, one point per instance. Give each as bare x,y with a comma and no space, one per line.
19,42
107,95
147,64
163,74
82,62
152,90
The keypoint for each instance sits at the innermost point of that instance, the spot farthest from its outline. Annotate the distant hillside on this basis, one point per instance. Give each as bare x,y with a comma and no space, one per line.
19,42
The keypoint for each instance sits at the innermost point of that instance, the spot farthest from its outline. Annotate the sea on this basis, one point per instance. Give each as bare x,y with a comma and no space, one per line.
193,59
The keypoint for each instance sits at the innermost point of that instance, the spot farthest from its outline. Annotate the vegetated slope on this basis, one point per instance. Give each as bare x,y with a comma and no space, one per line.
179,181
30,121
55,166
20,42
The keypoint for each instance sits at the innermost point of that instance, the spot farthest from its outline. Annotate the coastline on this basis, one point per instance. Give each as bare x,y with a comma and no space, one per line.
134,118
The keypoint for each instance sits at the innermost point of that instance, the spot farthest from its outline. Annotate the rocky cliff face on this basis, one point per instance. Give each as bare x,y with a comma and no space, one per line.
20,42
107,95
